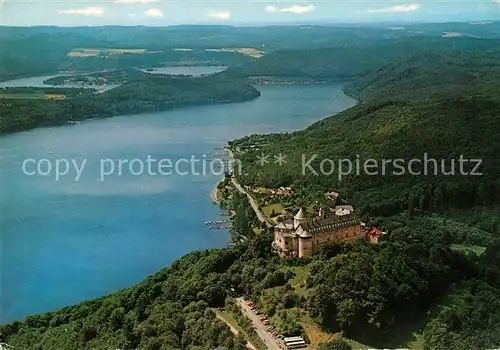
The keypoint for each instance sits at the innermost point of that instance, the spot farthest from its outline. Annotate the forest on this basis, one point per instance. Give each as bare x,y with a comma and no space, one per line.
354,60
367,292
404,113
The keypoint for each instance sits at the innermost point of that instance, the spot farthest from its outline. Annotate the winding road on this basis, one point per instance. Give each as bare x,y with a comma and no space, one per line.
252,201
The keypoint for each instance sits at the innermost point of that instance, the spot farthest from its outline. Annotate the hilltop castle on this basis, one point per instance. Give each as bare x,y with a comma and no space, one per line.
301,237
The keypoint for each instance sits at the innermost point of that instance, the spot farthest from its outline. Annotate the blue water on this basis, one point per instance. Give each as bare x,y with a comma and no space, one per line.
65,241
195,71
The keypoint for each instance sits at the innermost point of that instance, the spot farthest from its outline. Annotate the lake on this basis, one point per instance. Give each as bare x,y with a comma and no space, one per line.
64,241
195,71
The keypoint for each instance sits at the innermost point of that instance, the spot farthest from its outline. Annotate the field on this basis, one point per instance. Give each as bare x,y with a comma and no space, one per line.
457,34
23,96
35,95
88,52
315,334
298,281
276,208
249,51
463,248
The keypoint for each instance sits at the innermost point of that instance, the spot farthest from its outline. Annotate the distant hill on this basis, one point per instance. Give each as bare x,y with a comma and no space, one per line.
29,51
416,78
355,59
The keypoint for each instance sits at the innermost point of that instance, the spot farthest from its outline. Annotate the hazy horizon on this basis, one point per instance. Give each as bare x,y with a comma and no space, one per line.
158,13
270,24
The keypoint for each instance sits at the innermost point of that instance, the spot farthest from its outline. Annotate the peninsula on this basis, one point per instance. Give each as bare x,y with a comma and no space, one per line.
138,92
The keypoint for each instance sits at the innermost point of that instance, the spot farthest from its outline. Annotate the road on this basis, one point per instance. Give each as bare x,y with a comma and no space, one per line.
271,342
234,330
252,201
254,205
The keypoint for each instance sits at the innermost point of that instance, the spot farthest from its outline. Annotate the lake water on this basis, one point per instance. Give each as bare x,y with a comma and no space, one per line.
64,241
194,71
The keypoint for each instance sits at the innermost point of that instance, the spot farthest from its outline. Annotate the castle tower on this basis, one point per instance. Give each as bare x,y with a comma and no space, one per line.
305,244
299,219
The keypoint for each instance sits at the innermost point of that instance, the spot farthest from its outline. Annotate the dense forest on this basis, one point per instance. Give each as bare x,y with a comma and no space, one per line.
364,290
434,106
140,92
349,61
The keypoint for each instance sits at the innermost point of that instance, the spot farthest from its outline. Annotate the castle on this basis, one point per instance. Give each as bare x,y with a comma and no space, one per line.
300,237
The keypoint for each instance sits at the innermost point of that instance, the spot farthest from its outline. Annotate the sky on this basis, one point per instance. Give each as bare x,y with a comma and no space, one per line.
237,12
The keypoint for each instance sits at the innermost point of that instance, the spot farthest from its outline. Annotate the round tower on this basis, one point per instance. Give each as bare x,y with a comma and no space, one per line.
299,219
305,244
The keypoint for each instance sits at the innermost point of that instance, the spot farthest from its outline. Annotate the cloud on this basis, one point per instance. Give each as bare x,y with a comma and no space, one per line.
219,15
87,11
397,8
271,9
135,1
297,9
154,13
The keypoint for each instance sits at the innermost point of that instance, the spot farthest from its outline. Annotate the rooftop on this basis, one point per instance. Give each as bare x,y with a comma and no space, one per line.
286,225
330,223
300,215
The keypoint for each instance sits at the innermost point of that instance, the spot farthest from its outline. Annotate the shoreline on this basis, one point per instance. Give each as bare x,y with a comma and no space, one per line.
214,194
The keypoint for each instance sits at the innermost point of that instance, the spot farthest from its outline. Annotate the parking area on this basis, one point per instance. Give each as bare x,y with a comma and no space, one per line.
266,331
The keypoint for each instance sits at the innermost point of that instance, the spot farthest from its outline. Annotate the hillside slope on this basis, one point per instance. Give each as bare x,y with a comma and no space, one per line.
442,106
356,59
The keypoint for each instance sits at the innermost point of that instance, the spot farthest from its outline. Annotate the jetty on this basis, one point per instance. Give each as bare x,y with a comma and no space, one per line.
216,222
